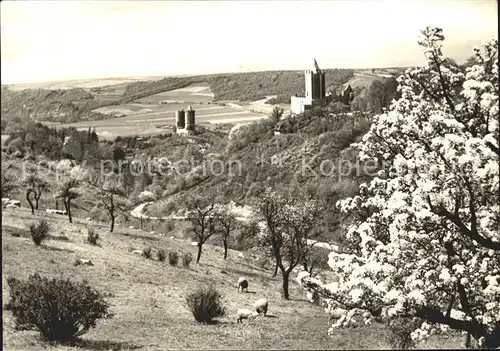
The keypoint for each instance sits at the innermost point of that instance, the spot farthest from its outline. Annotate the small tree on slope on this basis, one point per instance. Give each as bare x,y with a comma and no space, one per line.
424,239
226,222
67,191
35,186
111,198
287,227
201,214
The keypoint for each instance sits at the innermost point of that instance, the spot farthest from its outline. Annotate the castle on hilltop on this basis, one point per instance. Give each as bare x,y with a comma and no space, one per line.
316,94
315,91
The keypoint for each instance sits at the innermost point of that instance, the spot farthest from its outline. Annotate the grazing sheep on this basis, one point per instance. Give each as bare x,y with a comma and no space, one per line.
84,261
5,201
242,284
16,203
52,211
243,313
336,313
261,306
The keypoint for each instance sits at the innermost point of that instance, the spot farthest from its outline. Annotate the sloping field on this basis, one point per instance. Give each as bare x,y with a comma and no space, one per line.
110,92
144,119
147,296
194,93
262,107
362,80
110,133
146,109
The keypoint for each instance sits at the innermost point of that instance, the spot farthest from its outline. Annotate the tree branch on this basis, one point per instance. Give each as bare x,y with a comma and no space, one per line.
494,148
472,234
434,315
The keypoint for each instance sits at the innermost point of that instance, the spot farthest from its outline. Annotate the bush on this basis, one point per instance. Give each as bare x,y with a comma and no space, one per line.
147,253
39,232
92,236
399,332
173,258
205,304
161,255
59,309
186,259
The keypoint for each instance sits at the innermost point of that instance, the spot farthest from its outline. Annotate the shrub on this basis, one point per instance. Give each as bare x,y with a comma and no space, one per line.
399,332
186,259
59,309
92,236
147,253
161,255
173,258
39,232
205,304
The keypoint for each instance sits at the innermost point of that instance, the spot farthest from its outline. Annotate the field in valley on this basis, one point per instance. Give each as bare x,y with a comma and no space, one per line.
148,295
149,116
149,103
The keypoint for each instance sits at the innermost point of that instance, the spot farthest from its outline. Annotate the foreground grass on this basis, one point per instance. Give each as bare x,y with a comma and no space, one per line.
147,296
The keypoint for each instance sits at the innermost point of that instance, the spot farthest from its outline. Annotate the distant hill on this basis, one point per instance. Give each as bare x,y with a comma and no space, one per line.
78,102
76,83
250,86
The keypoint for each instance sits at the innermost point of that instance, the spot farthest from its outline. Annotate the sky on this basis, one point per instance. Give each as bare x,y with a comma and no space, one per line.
65,40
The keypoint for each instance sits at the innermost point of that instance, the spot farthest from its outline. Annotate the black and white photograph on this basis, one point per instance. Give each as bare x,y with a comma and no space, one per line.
250,175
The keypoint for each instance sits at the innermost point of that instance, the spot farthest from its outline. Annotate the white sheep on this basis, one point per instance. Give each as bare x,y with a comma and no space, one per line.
243,313
242,284
261,306
336,313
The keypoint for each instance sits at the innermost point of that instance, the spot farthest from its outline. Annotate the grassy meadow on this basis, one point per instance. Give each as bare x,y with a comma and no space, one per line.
147,296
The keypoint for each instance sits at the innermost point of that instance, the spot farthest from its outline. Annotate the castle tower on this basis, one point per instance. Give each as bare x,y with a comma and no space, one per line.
190,118
315,85
180,120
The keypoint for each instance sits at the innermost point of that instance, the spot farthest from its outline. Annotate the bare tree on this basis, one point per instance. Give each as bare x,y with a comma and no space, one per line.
288,224
67,192
316,260
35,187
201,215
111,196
226,222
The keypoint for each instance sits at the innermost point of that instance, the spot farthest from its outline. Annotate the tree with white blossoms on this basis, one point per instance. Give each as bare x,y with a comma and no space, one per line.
288,223
423,239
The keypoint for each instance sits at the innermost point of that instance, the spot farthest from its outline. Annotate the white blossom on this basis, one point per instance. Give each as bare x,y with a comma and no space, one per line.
433,216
